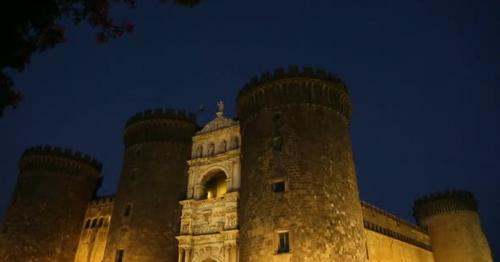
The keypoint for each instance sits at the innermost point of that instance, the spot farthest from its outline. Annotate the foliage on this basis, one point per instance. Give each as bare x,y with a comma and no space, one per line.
30,26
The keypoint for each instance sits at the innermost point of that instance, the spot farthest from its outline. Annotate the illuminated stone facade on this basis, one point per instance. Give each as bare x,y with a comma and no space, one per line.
276,185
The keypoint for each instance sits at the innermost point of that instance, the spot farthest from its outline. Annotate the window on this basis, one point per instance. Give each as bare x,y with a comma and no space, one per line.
234,142
279,186
223,146
128,210
87,224
199,151
119,255
133,173
216,186
101,220
94,223
211,149
283,243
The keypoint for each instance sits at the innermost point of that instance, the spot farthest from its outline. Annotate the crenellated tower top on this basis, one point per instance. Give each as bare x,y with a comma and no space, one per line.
56,157
441,202
161,124
295,85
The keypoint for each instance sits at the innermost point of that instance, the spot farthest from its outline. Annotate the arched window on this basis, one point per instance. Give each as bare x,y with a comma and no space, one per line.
222,146
211,149
216,185
94,223
235,142
199,151
87,224
101,221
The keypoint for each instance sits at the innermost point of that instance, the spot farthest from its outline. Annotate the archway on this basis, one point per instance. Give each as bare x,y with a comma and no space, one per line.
214,184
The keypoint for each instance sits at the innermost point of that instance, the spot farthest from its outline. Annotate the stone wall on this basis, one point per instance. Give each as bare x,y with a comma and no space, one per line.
454,227
383,248
295,130
146,213
44,220
389,238
95,230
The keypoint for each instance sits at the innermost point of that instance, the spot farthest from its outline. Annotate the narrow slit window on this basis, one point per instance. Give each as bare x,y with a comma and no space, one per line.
119,255
128,210
279,186
283,243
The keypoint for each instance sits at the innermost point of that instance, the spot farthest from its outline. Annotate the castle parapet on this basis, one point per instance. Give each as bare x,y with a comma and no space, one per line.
444,202
296,85
454,227
56,157
161,113
102,200
159,125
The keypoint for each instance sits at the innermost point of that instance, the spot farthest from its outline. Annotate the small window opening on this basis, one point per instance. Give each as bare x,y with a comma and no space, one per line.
277,143
87,224
284,243
128,210
234,143
216,186
277,116
133,173
199,151
94,223
279,187
223,146
211,149
120,253
101,221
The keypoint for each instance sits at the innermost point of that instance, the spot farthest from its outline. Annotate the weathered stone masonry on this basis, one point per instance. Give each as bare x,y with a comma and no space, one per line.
276,185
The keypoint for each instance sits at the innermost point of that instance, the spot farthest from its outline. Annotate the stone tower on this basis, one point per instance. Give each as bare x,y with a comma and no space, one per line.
299,192
452,221
54,186
145,218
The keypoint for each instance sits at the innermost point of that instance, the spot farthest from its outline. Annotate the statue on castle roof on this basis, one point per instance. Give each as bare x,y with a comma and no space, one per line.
219,122
220,108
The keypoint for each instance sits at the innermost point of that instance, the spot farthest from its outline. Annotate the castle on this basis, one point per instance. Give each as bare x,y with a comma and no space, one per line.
278,184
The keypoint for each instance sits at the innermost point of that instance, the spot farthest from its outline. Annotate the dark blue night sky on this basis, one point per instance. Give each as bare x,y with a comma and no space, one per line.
424,77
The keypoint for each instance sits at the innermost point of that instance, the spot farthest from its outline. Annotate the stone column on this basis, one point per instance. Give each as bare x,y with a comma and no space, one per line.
187,253
234,253
227,254
199,190
236,175
181,253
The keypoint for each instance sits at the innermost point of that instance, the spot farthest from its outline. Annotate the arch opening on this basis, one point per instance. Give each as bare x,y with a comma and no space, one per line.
216,185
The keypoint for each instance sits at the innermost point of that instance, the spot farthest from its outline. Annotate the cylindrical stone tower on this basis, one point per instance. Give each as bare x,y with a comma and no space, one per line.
146,215
455,231
299,192
43,223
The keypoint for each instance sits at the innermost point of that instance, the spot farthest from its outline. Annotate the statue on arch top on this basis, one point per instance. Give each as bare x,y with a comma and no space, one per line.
220,108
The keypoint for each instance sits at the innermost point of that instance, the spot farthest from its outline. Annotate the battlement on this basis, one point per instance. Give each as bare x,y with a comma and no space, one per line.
290,72
160,125
443,202
295,85
54,151
161,113
102,200
366,205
